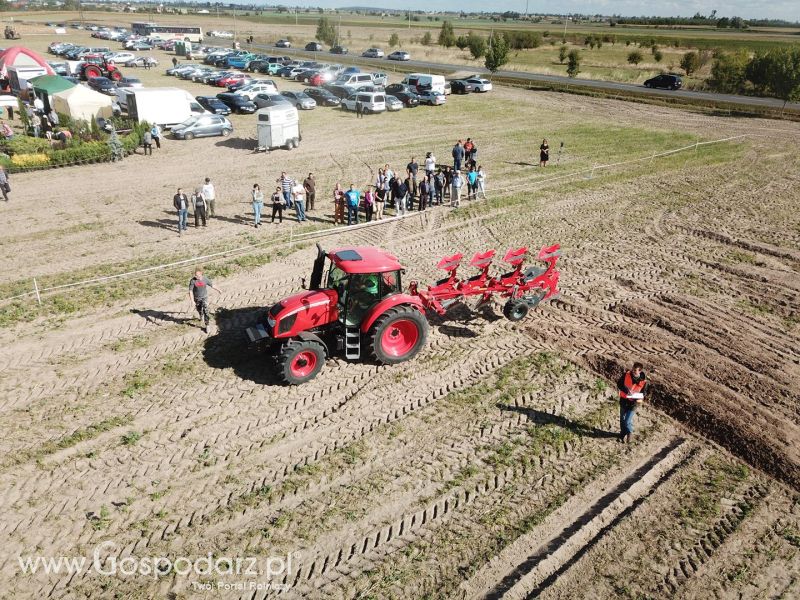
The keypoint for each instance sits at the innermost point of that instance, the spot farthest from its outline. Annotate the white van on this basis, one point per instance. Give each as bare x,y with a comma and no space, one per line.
371,102
424,82
355,80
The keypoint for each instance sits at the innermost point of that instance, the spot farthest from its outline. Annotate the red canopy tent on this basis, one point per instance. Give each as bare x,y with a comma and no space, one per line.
19,56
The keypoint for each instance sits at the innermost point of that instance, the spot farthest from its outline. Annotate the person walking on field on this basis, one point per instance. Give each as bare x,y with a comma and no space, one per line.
412,168
455,194
544,153
299,202
353,197
210,195
200,208
481,182
258,204
472,184
359,110
174,61
181,203
287,184
458,155
155,131
311,190
198,294
632,387
338,204
5,187
147,142
277,204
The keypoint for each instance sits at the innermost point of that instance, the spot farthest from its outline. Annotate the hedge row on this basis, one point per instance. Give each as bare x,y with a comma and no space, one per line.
25,153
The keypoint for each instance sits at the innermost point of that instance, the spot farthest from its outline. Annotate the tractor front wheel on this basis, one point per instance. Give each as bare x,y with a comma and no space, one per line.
299,361
115,75
92,72
398,335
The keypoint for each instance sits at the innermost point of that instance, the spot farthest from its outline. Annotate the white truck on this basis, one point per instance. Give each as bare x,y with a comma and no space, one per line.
162,106
423,81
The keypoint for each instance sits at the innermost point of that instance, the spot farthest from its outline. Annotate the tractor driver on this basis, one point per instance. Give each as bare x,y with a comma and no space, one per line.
364,293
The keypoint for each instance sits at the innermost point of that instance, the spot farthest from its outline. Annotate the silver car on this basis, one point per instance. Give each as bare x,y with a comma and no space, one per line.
204,125
300,100
393,104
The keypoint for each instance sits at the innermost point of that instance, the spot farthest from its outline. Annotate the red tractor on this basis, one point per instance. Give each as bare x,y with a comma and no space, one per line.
356,304
94,65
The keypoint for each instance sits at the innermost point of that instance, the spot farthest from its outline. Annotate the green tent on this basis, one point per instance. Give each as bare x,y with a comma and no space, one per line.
45,86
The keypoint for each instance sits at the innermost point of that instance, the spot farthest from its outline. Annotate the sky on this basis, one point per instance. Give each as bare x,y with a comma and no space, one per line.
750,9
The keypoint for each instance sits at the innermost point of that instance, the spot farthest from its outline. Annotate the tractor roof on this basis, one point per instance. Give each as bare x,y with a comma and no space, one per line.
364,259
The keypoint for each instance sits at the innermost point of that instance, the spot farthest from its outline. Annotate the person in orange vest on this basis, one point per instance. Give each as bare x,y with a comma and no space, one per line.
631,386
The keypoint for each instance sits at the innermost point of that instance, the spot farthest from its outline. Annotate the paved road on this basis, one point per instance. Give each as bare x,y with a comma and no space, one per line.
607,86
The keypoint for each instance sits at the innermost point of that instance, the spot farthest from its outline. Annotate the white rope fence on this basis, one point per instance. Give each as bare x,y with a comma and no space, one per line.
38,292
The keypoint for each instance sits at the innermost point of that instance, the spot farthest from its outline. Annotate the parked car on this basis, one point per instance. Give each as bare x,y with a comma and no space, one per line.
462,86
314,47
202,126
254,88
432,98
370,102
189,74
339,50
140,46
305,76
283,44
213,105
372,53
237,103
399,55
218,76
242,83
320,78
481,84
130,82
196,54
262,100
300,100
393,104
322,96
103,85
121,57
59,68
339,91
380,78
231,78
408,98
207,76
141,61
665,81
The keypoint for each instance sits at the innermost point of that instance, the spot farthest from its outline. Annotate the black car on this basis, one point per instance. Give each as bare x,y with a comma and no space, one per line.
397,88
304,76
314,47
664,81
103,85
340,91
339,50
323,97
213,104
237,103
284,71
460,86
409,99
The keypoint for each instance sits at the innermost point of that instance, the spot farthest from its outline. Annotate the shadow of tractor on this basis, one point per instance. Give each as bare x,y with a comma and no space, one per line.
230,348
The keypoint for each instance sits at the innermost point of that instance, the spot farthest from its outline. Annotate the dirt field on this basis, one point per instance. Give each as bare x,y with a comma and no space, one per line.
485,468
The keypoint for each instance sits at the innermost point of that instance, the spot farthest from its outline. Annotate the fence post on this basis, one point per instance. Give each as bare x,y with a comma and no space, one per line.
36,289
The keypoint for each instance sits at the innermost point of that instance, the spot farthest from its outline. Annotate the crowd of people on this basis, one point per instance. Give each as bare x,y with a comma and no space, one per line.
416,187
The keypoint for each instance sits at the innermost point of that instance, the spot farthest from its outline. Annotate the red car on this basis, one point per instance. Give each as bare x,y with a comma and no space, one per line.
231,79
316,80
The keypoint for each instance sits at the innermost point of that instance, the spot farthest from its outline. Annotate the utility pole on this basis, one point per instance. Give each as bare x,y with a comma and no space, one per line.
409,19
234,23
526,8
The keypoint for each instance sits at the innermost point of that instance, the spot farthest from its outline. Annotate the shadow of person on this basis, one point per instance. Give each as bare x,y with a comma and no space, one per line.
161,223
230,348
157,316
543,418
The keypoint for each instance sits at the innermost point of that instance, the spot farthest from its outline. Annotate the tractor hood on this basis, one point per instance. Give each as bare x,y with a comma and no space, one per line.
303,311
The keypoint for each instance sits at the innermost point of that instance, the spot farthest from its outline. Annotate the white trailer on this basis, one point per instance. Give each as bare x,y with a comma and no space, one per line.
19,76
277,126
162,106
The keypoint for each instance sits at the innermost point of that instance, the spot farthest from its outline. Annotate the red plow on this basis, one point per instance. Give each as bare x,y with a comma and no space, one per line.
524,289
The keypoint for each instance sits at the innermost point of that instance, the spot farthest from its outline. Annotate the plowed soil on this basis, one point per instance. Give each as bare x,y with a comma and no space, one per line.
487,467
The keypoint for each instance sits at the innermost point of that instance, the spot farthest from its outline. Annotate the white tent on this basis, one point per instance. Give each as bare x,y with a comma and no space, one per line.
80,102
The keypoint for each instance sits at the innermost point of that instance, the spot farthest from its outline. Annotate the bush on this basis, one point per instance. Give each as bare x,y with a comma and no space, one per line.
635,57
30,161
394,40
728,73
23,144
690,62
574,64
658,56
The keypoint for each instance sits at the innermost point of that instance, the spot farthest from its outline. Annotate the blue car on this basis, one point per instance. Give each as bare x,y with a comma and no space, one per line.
240,62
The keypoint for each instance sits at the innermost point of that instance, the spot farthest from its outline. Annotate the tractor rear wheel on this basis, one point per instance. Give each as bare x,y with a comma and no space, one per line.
515,310
91,72
299,361
398,335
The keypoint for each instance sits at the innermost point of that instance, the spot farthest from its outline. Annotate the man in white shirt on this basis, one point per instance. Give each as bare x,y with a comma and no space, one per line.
430,164
209,195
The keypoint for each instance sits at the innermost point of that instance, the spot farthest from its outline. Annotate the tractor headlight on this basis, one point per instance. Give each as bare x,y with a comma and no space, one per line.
287,323
271,322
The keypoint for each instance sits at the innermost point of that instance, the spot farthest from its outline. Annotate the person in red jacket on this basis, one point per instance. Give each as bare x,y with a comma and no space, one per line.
631,386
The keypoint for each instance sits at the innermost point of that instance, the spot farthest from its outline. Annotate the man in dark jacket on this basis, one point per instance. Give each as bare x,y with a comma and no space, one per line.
310,187
198,294
181,203
458,156
412,168
632,386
